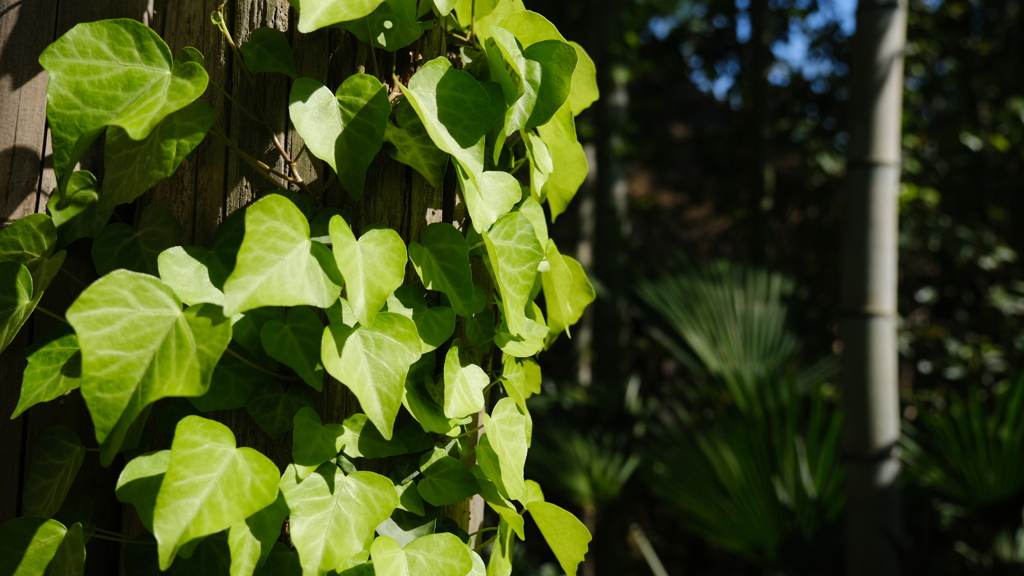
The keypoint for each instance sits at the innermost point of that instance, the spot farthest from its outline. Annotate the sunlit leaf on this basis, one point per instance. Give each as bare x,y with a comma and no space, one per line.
567,158
314,14
463,385
567,291
441,259
54,368
435,324
78,213
506,427
564,533
70,557
188,271
503,506
437,555
373,266
515,253
139,483
28,545
251,540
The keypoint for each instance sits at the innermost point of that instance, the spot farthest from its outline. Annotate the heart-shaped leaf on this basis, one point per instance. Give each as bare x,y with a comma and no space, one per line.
91,58
514,253
273,408
391,26
435,324
437,554
246,332
313,442
567,158
404,527
315,14
268,51
564,533
121,246
233,381
54,368
139,483
363,440
70,557
463,385
373,362
209,485
445,480
295,343
56,459
275,266
252,539
188,271
78,213
507,436
28,545
30,241
418,401
138,346
441,259
333,516
373,266
503,506
411,145
345,129
567,291
17,300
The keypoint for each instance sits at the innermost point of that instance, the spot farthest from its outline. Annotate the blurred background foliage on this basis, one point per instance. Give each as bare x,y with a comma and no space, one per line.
698,429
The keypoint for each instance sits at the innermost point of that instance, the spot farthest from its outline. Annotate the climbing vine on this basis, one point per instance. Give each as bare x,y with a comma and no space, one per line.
289,293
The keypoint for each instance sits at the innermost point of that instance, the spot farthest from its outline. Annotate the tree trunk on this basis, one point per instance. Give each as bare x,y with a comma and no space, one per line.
870,392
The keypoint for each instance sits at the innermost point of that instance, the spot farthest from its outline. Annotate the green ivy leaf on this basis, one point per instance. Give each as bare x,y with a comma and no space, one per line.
78,214
409,500
30,241
232,383
500,562
28,545
209,485
295,343
444,6
437,554
514,253
121,246
246,332
54,368
16,300
251,540
131,166
445,480
209,556
567,536
315,14
521,378
268,51
345,129
333,516
373,266
541,165
55,462
435,324
273,408
363,440
567,158
567,291
70,557
84,63
418,401
138,346
488,196
492,496
404,527
275,266
441,260
139,483
480,330
463,385
411,145
187,270
391,26
584,82
314,442
283,561
507,436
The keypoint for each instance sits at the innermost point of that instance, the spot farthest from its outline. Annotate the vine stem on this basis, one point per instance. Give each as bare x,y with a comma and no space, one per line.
121,540
51,314
217,16
259,165
478,245
482,530
484,544
258,367
373,52
73,277
467,433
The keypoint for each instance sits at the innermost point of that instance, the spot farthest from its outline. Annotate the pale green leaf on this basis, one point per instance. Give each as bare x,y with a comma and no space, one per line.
567,291
28,545
463,385
506,427
296,344
404,527
138,346
564,533
435,324
209,485
531,342
410,144
273,408
444,6
268,51
445,480
70,557
57,456
314,442
91,58
275,266
373,266
314,14
333,516
121,246
514,253
437,555
489,195
78,213
541,165
54,368
139,483
345,129
418,401
441,260
568,159
362,440
521,378
391,26
251,540
584,82
188,271
16,300
492,496
373,363
479,568
131,167
30,241
533,493
500,562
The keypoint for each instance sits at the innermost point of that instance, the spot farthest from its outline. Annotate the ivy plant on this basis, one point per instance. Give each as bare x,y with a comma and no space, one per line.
290,299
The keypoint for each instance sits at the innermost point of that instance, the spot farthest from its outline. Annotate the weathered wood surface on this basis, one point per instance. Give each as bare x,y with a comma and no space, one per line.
209,185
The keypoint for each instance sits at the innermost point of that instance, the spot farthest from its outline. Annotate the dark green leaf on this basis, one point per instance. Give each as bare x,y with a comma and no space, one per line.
441,259
28,545
121,246
140,481
55,462
363,440
313,442
445,479
70,557
410,144
273,408
268,51
296,344
78,213
391,26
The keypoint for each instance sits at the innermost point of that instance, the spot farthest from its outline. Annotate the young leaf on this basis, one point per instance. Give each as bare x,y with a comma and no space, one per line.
28,545
274,265
410,144
345,129
391,26
373,266
16,300
273,408
492,495
541,164
78,214
521,378
441,260
140,481
54,368
209,485
463,385
532,340
437,554
506,433
567,158
55,462
444,6
514,253
268,51
373,362
567,291
313,442
70,557
445,479
252,539
295,343
91,58
567,536
138,346
131,166
333,516
121,246
418,401
188,271
315,14
363,440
